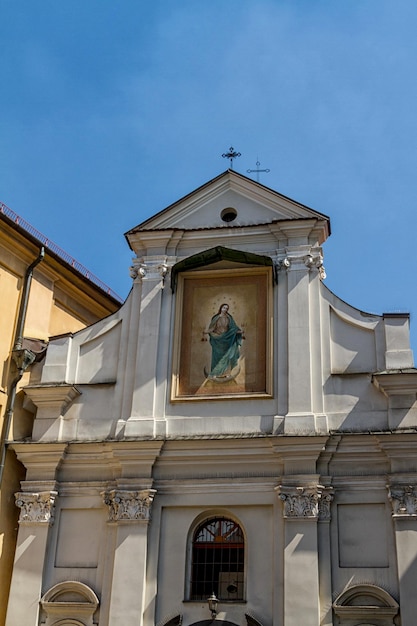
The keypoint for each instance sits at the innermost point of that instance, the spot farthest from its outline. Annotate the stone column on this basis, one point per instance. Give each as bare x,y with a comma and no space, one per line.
130,511
403,498
36,516
301,566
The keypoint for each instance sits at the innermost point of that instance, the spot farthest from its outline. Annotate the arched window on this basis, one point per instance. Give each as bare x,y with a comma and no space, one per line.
218,556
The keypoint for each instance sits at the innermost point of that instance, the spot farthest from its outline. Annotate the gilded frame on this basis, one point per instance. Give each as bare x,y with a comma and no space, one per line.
200,293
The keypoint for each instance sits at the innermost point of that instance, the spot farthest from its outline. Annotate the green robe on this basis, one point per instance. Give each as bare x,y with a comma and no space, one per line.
225,347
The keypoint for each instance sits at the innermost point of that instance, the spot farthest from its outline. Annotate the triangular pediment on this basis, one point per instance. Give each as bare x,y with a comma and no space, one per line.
207,207
230,210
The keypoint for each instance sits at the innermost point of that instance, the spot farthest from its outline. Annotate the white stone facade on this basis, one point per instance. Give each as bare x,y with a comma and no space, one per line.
317,468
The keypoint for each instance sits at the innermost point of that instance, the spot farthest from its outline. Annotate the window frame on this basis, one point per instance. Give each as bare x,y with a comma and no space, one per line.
199,522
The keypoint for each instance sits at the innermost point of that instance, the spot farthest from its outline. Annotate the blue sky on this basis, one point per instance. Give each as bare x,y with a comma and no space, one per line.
111,111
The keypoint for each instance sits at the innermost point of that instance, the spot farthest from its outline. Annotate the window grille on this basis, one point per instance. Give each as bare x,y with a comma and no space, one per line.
218,556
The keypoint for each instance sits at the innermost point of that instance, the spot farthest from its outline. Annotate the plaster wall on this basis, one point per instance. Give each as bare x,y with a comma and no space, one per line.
323,369
320,472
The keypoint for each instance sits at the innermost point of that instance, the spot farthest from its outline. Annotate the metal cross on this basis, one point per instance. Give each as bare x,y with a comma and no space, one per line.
231,155
257,171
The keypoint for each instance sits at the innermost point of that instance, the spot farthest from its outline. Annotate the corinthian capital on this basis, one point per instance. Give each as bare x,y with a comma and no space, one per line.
132,506
311,501
325,503
403,500
36,508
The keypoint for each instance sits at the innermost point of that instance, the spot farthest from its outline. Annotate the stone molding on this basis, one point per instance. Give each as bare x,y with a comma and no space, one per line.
403,501
69,602
306,502
129,506
55,397
36,508
366,603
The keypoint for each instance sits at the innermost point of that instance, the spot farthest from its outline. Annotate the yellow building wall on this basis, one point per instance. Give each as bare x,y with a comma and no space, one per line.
59,302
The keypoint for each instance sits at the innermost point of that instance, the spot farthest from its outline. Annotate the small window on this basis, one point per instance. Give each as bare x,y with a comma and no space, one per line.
218,556
229,214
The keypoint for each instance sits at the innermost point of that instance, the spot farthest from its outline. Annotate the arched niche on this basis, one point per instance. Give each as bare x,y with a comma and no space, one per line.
69,603
365,605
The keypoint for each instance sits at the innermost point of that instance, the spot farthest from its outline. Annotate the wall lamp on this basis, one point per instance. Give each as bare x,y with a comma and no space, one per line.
212,602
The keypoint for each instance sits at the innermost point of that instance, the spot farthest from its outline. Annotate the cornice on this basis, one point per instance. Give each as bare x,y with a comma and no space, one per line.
394,383
55,397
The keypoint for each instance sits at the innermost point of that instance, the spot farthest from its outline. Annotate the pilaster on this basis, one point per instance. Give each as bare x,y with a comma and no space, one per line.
302,263
151,272
403,497
325,556
36,516
302,506
130,511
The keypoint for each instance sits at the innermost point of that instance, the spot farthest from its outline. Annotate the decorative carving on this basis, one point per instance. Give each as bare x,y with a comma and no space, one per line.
130,506
38,508
325,502
403,500
152,270
311,501
282,264
299,501
315,260
133,271
296,258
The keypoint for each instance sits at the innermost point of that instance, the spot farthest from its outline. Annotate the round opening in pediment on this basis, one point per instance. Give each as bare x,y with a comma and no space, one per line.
228,214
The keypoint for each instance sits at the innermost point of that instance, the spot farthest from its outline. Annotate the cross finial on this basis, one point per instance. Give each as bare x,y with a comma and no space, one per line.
257,171
232,154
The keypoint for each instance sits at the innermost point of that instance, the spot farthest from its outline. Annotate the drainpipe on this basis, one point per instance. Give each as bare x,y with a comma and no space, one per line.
21,357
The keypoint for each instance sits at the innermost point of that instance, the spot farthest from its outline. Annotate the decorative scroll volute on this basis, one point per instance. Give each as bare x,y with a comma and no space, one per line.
156,269
403,500
130,506
36,508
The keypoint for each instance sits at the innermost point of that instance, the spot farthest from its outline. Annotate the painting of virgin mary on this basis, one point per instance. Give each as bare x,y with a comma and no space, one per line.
222,345
225,339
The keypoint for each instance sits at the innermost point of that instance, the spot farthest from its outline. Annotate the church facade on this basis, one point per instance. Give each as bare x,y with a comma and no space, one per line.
235,444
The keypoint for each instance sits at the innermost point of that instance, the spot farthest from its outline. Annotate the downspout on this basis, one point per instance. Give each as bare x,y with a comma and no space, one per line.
21,357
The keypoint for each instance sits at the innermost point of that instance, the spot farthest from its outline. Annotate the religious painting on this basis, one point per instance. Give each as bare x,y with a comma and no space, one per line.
223,326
